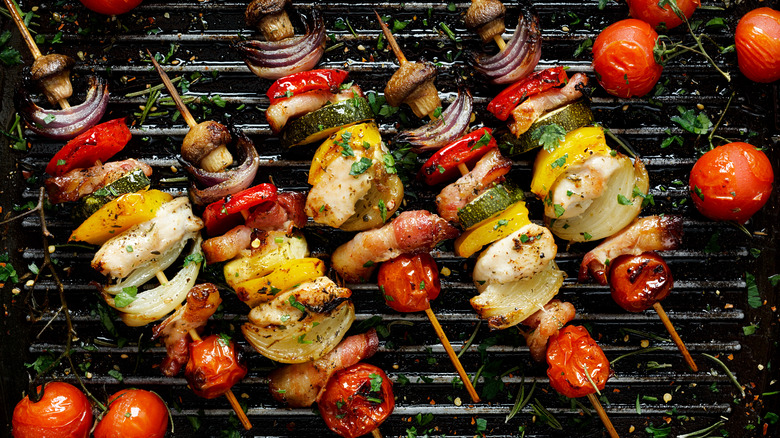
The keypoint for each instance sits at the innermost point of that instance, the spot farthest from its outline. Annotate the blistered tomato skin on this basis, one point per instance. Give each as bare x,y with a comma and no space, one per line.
638,282
654,15
409,282
111,7
757,41
569,354
623,58
731,182
134,413
63,412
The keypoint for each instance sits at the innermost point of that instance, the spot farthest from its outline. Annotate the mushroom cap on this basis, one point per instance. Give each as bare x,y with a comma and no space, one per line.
482,12
202,139
406,79
51,65
258,9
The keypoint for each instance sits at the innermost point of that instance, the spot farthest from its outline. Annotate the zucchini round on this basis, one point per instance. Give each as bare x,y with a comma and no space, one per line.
128,183
320,124
491,201
569,117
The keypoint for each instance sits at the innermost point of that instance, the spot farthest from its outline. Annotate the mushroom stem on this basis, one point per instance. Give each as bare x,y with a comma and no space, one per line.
185,112
276,27
391,39
500,41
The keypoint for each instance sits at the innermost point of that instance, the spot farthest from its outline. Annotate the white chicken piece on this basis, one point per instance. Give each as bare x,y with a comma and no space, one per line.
332,199
144,242
580,185
518,256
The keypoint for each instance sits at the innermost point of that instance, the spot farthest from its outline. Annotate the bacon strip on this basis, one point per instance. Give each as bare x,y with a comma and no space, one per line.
78,183
286,213
279,113
545,323
529,111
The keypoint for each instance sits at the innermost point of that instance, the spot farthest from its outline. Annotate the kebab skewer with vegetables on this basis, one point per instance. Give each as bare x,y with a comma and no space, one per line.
51,74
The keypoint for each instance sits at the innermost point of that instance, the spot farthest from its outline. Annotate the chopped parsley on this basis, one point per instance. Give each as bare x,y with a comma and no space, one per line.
560,161
360,167
549,136
483,141
127,296
293,302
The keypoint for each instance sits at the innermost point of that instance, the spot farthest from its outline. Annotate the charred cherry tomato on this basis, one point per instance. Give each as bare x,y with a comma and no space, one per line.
356,400
651,13
99,143
111,7
134,413
503,104
443,165
62,412
638,282
297,83
569,354
221,216
731,182
623,58
409,282
757,41
214,366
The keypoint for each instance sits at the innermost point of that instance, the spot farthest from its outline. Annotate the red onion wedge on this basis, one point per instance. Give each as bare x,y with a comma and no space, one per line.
64,124
452,124
276,59
520,56
221,184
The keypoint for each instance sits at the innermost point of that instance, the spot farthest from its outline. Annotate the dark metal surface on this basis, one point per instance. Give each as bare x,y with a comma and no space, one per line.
709,304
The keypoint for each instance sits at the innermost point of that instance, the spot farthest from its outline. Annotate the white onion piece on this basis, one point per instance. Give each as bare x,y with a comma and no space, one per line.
509,304
606,216
153,304
261,261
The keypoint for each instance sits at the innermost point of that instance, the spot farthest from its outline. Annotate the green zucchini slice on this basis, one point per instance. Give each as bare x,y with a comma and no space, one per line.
128,183
320,124
569,117
491,201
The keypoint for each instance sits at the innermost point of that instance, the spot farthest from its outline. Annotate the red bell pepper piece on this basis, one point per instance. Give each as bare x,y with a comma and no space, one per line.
503,104
297,83
443,165
99,143
213,367
221,216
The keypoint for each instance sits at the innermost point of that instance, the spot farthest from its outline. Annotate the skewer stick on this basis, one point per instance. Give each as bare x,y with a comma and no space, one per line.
185,112
390,39
500,42
675,337
376,433
28,38
453,357
161,277
603,415
229,394
463,169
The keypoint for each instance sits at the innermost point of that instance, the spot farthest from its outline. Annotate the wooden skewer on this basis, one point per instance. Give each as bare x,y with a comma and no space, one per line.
185,112
500,42
161,277
675,337
453,357
603,415
229,394
376,433
390,39
28,38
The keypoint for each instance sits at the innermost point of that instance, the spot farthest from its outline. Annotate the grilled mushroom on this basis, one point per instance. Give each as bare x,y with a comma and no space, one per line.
413,84
270,18
52,73
204,146
486,17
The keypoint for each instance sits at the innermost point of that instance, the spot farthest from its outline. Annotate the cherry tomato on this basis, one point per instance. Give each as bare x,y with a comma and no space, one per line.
649,12
569,353
110,7
213,367
63,412
409,282
623,58
638,282
356,400
758,45
731,182
134,413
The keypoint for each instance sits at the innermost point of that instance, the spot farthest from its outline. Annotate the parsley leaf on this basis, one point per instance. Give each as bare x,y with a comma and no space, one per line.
754,298
127,296
622,200
483,141
360,167
376,382
691,122
560,161
549,136
293,302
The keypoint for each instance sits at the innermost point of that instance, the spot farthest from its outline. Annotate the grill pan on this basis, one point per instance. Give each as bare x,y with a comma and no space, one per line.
708,305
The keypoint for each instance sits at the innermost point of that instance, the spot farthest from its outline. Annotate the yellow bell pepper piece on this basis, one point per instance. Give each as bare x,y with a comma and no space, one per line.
361,137
492,229
284,277
578,146
119,215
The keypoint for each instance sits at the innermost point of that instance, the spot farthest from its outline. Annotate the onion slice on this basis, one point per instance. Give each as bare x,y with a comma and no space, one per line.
64,124
154,304
276,59
221,184
520,56
452,124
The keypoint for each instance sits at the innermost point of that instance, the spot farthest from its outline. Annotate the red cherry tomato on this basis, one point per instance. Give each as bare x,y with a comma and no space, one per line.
758,45
100,142
638,282
649,12
357,400
623,58
63,412
409,282
731,182
569,354
213,367
134,413
111,7
443,165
